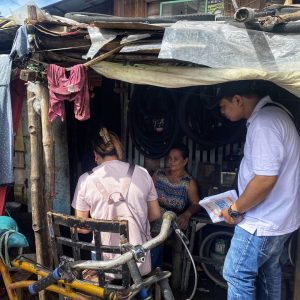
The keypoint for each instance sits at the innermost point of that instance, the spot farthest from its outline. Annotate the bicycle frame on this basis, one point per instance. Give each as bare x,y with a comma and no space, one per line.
73,289
66,291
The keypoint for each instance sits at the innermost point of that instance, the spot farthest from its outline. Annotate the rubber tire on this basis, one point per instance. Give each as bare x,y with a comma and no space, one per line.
207,242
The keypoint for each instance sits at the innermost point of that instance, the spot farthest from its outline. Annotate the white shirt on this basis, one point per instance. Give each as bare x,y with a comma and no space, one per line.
272,148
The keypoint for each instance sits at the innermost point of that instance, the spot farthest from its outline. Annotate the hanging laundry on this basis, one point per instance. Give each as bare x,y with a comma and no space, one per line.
17,90
72,88
21,47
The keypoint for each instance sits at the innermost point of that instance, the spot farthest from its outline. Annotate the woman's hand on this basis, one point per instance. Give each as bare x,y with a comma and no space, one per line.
183,220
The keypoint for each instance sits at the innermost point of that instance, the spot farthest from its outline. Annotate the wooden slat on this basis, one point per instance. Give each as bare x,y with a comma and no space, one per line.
130,8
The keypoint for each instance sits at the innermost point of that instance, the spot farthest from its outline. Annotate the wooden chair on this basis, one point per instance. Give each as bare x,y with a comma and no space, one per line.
65,241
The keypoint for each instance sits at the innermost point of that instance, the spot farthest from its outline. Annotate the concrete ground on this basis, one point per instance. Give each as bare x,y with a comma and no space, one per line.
206,289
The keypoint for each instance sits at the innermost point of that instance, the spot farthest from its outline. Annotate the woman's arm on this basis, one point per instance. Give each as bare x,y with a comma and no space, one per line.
82,214
153,210
194,207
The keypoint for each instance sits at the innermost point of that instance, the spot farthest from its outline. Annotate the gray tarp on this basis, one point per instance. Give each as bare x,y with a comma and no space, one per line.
178,76
6,129
221,45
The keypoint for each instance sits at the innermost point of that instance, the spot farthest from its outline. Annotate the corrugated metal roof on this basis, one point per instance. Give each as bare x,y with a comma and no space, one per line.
96,6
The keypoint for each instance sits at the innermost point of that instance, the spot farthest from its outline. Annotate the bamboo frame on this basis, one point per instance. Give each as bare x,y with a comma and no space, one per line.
48,149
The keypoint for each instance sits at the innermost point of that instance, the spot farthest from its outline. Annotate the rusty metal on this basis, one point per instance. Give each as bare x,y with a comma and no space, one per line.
269,22
52,288
85,287
7,281
56,221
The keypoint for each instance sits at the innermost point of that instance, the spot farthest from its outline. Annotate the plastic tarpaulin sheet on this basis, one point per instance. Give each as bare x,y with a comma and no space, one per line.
221,45
6,123
179,76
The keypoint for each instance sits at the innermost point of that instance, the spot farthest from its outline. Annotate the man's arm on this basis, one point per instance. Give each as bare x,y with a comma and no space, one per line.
153,210
82,214
256,191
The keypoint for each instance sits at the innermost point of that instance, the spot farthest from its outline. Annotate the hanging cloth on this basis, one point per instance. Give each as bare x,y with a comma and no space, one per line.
72,88
6,123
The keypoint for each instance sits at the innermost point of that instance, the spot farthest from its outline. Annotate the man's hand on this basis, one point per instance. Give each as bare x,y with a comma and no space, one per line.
228,219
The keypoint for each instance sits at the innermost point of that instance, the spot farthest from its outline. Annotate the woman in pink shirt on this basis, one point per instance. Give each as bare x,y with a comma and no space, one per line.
101,194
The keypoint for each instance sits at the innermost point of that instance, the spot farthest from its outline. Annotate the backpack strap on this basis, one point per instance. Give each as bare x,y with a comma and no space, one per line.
123,196
124,188
127,181
284,109
281,107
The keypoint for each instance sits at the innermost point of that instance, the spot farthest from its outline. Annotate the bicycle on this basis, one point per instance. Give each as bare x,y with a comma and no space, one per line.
63,279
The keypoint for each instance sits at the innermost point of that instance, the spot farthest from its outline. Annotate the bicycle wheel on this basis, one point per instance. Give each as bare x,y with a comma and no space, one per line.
215,246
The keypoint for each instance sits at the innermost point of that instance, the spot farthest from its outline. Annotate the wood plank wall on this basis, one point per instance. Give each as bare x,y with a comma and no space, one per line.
130,8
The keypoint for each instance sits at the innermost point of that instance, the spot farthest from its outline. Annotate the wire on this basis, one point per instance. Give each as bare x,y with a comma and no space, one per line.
179,233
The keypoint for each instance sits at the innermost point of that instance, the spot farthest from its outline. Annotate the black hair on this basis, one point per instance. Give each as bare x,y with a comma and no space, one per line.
182,148
242,87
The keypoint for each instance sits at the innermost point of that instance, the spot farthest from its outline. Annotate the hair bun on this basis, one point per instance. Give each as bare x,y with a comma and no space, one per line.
105,135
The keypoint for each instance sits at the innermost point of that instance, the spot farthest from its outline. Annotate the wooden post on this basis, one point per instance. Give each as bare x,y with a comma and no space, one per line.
37,203
48,149
49,174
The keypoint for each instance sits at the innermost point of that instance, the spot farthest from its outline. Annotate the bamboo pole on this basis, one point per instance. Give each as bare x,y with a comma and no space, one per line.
48,149
48,166
104,56
36,200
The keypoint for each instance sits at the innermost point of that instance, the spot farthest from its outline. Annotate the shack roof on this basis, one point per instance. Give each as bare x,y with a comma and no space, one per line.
170,54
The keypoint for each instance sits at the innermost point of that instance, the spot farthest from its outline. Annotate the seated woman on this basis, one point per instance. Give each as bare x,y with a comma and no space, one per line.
101,194
177,191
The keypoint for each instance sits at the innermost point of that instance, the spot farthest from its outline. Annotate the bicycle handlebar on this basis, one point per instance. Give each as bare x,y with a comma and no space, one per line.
61,271
168,217
44,282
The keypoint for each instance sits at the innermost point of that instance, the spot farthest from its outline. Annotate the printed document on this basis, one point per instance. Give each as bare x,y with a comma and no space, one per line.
216,203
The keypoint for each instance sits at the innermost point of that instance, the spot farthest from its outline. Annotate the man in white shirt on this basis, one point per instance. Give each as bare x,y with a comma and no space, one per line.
267,210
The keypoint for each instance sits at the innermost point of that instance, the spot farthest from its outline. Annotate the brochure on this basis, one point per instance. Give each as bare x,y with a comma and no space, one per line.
216,203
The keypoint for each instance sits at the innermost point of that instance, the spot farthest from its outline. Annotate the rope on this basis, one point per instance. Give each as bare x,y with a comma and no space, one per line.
4,236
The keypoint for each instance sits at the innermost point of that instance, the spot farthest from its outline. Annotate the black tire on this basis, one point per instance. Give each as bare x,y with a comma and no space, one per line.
200,120
213,272
147,107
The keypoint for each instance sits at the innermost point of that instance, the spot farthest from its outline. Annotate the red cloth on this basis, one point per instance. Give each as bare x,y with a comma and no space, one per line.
17,90
3,191
71,88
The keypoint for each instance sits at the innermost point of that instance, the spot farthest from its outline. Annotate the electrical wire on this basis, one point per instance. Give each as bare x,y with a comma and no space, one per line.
179,233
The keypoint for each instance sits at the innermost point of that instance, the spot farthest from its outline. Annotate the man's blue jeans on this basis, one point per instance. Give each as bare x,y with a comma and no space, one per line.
252,269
